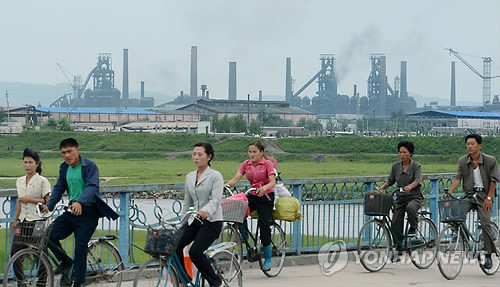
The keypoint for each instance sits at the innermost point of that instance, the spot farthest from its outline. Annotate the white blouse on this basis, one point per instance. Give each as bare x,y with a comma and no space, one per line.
37,187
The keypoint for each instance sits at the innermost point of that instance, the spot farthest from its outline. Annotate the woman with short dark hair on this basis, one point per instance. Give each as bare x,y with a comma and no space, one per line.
407,173
203,191
262,176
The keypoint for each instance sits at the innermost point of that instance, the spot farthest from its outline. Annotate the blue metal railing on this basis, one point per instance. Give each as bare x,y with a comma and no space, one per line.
332,209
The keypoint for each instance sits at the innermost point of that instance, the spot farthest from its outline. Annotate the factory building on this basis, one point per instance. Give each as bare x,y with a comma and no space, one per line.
207,108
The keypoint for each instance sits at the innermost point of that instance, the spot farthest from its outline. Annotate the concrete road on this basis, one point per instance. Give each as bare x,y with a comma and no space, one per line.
355,275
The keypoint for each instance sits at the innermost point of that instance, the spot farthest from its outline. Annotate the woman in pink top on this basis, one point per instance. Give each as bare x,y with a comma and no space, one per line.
261,175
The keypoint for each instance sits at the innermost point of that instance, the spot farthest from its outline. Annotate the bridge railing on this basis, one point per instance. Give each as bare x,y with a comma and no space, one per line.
332,210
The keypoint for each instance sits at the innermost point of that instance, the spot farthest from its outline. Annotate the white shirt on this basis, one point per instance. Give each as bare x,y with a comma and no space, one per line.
37,187
478,180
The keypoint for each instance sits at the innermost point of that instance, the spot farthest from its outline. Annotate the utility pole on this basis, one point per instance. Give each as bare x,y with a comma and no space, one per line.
8,114
248,111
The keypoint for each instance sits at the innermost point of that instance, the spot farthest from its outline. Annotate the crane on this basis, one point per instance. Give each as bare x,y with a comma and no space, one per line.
76,84
486,75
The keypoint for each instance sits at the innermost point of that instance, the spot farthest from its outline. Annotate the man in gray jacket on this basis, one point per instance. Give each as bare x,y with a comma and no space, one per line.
479,173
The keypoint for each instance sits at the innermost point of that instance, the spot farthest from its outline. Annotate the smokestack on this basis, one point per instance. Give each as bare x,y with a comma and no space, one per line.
288,81
193,92
404,91
125,76
203,90
207,94
453,93
232,81
260,95
142,90
355,98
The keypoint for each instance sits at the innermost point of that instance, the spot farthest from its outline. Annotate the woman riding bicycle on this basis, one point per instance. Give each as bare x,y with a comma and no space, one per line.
407,173
203,191
261,175
31,190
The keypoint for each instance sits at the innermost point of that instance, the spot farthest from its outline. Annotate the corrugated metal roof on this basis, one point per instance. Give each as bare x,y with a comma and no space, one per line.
459,114
97,111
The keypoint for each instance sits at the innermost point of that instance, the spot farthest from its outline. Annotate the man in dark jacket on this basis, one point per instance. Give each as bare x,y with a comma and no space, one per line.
479,173
80,178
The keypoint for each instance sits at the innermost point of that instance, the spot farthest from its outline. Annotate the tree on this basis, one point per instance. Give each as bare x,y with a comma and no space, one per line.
52,122
64,124
238,124
3,116
313,125
255,128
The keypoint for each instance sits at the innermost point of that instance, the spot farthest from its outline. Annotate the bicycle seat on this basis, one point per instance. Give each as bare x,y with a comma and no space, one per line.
109,237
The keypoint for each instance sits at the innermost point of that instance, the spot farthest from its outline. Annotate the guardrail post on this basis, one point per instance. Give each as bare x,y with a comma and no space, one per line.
124,226
433,201
297,234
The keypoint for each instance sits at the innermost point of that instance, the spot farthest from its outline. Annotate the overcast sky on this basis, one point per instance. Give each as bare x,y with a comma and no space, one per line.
258,35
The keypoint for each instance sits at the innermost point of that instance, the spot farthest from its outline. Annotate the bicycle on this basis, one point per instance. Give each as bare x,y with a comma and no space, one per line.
456,241
231,233
376,237
167,270
104,263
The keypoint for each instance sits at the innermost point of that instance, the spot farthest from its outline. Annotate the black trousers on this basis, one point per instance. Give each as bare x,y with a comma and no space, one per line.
409,205
83,226
264,207
26,230
202,236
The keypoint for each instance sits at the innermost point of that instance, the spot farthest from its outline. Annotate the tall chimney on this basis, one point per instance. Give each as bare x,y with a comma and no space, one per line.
232,81
203,90
404,90
288,80
193,91
260,95
125,76
142,90
453,102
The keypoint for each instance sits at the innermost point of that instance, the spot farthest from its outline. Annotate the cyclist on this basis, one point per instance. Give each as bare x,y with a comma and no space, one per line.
203,191
479,173
78,176
407,173
261,175
31,190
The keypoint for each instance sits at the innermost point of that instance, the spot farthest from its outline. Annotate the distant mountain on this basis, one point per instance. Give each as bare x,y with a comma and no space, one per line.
31,94
421,100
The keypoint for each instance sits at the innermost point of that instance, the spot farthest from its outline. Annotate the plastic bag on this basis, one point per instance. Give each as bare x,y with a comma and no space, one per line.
286,208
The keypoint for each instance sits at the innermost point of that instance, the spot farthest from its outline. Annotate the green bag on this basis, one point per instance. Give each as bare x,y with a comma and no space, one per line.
286,208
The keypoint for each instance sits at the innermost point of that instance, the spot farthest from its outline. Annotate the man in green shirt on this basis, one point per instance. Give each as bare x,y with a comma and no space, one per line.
78,176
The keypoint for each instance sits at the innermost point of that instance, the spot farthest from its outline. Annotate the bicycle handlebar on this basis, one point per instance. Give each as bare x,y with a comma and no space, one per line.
228,189
50,213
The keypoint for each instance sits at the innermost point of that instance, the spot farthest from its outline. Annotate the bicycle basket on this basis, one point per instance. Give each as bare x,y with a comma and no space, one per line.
163,240
453,210
234,210
33,233
377,204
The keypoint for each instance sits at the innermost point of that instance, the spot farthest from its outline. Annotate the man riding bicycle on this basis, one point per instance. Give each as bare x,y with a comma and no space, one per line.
80,178
479,173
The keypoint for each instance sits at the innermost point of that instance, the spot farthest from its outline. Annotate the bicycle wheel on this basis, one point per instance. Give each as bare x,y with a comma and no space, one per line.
494,257
104,265
374,245
229,233
423,247
33,266
451,252
156,272
278,253
227,266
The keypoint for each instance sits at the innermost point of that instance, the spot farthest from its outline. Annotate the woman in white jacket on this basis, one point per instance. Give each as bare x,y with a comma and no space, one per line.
203,191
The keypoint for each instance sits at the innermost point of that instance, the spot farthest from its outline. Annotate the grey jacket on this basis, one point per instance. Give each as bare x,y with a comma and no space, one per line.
487,166
206,195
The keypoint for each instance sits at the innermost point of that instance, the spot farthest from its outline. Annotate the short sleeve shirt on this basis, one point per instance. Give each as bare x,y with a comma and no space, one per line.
403,178
37,187
258,174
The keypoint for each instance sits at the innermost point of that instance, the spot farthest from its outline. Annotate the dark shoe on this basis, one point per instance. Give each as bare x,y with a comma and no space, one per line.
487,263
396,256
75,284
412,232
64,267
